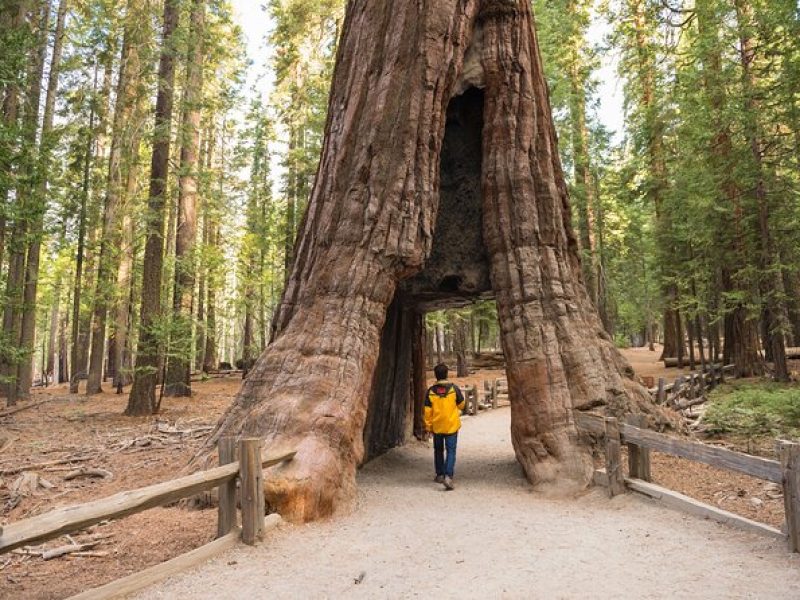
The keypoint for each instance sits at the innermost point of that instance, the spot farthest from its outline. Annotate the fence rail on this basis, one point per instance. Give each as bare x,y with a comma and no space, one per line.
249,470
640,441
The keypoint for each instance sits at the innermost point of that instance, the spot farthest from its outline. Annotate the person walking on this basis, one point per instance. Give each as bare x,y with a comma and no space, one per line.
443,405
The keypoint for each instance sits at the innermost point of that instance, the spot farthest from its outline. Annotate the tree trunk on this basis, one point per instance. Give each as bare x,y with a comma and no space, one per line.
372,222
741,344
178,381
142,398
770,284
124,145
79,341
18,330
210,351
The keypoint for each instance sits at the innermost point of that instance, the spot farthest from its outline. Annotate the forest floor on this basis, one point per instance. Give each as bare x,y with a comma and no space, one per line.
42,446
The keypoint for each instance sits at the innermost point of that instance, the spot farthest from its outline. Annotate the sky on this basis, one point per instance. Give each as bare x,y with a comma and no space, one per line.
256,25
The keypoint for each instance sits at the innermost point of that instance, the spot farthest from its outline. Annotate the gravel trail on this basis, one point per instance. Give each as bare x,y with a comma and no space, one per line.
493,537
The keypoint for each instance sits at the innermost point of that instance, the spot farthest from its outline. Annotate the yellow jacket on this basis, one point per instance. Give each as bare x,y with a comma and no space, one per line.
443,405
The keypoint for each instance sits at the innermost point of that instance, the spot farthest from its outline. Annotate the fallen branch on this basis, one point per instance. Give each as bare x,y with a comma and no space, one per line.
88,472
90,554
41,465
690,403
16,409
68,549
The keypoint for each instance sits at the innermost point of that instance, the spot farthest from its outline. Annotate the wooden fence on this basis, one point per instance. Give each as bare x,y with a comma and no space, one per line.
247,471
640,441
494,391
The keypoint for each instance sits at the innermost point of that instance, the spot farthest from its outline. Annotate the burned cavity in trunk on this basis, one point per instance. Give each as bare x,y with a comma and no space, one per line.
456,272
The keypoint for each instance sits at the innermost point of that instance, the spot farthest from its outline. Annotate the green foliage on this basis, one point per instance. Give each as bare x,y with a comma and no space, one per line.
755,409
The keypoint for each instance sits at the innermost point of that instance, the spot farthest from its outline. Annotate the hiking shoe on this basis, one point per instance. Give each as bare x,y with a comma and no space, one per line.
448,483
439,479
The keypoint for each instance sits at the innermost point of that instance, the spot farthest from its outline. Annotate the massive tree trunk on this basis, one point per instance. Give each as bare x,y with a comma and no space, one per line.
407,127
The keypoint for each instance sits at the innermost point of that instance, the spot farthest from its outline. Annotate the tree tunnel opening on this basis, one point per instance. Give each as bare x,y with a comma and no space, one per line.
455,274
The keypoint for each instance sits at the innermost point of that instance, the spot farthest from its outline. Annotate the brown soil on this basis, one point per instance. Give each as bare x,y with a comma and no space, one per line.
142,451
646,364
137,454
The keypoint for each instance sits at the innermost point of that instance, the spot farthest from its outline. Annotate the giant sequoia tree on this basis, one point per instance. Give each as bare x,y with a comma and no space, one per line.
439,181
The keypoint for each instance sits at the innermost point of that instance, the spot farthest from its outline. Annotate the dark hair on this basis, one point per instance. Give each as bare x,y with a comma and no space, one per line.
440,371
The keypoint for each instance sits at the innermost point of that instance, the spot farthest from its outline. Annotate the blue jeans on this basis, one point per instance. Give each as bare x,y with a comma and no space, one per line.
440,441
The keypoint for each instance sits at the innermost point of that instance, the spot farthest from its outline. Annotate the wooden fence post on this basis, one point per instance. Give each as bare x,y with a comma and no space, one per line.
638,457
616,480
226,519
474,393
661,393
790,463
252,492
677,386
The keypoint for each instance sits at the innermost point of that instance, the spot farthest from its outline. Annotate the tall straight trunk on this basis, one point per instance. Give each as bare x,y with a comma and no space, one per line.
205,263
770,284
79,341
178,381
210,357
63,350
124,146
120,338
370,226
584,196
18,322
210,350
142,398
741,343
200,337
657,169
14,15
52,332
55,316
290,218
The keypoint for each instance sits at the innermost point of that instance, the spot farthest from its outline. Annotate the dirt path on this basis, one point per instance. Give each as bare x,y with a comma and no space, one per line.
493,537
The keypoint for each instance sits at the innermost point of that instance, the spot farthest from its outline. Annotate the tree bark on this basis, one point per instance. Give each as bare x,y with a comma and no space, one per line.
142,398
178,380
768,263
78,340
370,226
124,145
16,329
